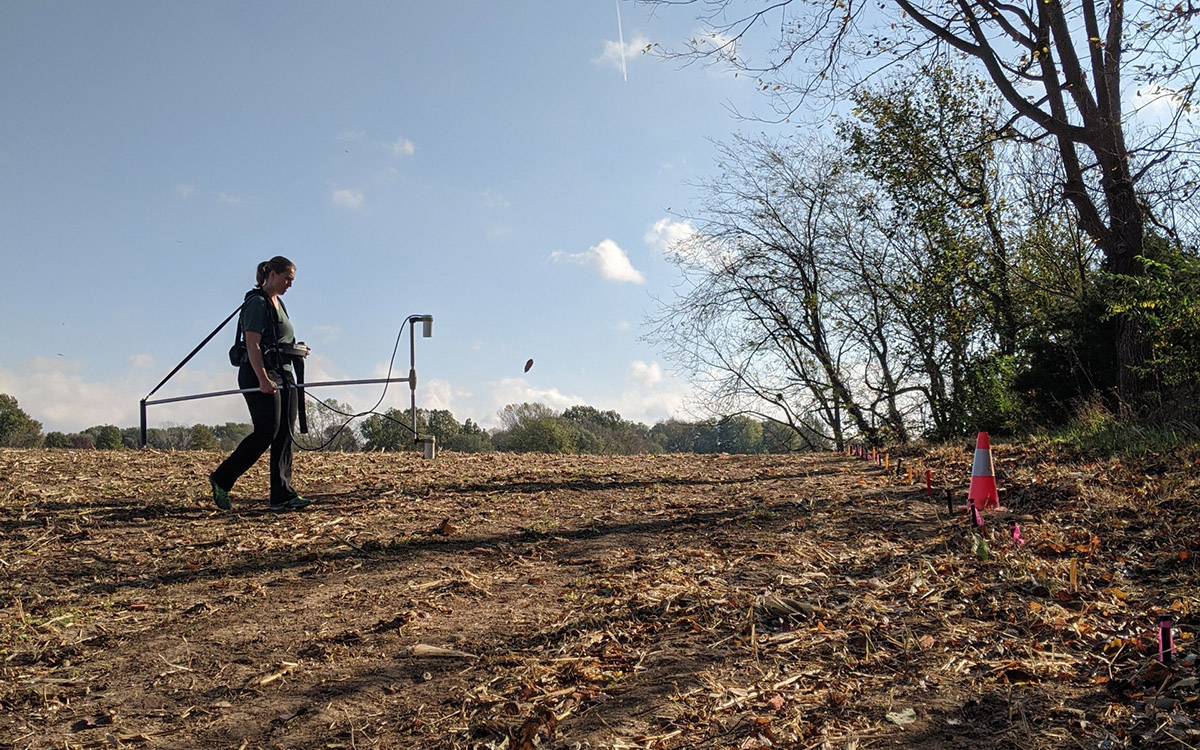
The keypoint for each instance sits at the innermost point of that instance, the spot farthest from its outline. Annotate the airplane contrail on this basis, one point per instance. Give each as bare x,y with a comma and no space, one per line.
621,40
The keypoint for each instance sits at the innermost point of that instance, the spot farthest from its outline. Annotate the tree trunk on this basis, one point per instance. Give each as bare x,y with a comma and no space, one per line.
1124,246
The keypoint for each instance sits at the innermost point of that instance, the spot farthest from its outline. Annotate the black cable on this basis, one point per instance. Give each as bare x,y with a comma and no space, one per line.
352,417
344,425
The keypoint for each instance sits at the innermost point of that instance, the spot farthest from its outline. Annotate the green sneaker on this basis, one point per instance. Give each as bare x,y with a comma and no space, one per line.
220,496
295,503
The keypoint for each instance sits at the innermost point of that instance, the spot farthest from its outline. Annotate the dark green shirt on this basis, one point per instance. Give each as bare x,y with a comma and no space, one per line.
256,316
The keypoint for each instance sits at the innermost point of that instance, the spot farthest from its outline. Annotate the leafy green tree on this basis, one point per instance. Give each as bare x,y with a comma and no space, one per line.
675,436
513,415
17,429
593,417
729,435
993,403
780,438
542,435
57,439
470,439
105,437
331,426
338,438
170,437
933,144
131,437
740,435
931,140
708,437
202,438
1166,303
606,432
442,425
1056,370
82,441
534,427
387,433
231,433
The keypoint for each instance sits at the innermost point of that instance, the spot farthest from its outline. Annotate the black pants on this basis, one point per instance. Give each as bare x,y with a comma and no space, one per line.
274,416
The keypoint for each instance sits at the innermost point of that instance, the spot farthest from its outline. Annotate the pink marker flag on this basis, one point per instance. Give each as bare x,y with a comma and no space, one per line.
1017,538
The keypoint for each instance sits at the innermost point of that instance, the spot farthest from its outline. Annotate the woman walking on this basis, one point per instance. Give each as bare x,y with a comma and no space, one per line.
265,325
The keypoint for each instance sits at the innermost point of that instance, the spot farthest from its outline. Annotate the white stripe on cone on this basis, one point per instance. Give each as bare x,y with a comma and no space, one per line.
983,476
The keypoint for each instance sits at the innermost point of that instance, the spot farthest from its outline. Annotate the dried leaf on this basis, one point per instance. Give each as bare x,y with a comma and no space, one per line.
902,717
424,650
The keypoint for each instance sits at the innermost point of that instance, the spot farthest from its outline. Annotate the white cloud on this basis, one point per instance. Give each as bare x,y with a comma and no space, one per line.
1155,102
346,198
319,368
666,233
494,200
56,393
484,407
658,396
403,147
658,405
350,134
608,259
680,241
327,333
646,374
189,191
519,391
612,54
439,394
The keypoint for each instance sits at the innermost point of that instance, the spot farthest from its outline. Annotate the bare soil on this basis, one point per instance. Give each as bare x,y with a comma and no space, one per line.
658,602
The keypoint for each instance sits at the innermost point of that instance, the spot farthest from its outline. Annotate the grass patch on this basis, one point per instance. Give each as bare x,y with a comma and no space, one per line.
1096,430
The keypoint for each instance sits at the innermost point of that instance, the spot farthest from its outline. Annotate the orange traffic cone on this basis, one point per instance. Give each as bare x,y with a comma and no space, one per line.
983,477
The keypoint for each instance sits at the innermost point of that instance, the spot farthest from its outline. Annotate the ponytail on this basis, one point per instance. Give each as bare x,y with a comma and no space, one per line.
278,264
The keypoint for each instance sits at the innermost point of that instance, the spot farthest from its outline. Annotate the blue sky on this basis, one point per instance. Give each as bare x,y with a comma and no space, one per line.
485,162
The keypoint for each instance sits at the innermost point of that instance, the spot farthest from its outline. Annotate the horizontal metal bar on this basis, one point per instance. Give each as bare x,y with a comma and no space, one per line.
352,382
256,390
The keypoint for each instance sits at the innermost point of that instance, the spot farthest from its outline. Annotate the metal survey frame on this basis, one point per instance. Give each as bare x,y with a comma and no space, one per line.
426,322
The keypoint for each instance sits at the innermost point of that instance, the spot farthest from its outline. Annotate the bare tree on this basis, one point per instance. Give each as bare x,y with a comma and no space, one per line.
756,322
811,297
1064,69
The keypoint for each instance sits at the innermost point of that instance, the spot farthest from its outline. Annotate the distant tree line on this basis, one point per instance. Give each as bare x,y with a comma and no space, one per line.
526,427
198,437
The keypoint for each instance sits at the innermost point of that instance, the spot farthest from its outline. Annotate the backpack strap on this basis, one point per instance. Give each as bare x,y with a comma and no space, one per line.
240,334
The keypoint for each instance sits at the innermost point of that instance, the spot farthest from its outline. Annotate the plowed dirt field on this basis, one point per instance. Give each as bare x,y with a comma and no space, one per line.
533,601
